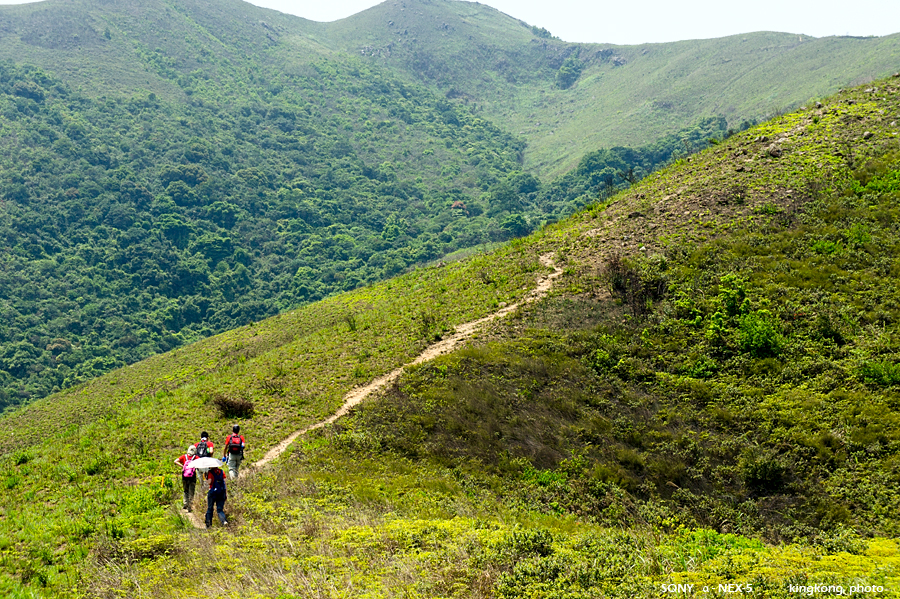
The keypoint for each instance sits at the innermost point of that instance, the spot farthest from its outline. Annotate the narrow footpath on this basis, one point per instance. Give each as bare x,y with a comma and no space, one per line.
444,346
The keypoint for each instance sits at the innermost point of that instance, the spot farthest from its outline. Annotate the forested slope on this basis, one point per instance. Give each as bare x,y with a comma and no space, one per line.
132,225
173,170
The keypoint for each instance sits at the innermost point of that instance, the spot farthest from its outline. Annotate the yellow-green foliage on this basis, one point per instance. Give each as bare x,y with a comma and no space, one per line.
391,528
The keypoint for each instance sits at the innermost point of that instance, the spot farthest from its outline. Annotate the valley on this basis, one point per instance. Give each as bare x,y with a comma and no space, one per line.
652,353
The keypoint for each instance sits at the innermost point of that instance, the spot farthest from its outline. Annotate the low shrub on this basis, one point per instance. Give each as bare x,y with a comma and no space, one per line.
884,373
233,407
639,284
148,547
758,334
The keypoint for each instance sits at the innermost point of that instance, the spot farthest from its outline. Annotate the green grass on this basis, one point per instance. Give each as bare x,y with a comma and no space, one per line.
484,57
740,426
294,369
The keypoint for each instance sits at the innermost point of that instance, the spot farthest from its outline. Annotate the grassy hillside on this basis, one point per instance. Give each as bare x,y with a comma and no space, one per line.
708,397
564,99
567,99
174,170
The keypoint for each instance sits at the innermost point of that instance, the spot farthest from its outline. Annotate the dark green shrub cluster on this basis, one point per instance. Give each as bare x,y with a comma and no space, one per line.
638,284
233,407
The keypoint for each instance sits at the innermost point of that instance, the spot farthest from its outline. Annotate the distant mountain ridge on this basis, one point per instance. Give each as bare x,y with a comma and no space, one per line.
565,99
622,95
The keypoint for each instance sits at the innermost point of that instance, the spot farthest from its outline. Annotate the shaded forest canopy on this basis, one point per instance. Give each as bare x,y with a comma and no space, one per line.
134,225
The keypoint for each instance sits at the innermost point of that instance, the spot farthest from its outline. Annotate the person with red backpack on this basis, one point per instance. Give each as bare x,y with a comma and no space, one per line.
188,476
234,450
216,496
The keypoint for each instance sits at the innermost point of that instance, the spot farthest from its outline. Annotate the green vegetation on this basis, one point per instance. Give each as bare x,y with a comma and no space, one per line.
569,99
602,173
708,396
232,162
134,226
754,395
113,438
256,207
507,70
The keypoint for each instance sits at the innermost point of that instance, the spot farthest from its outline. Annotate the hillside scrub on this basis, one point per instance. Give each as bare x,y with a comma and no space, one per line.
736,425
754,396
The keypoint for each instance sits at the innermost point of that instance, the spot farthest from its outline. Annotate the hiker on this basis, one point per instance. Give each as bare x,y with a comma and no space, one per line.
216,496
188,476
205,446
204,450
234,451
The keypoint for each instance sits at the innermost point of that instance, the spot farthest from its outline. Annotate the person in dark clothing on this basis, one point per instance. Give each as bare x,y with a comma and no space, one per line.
204,449
216,496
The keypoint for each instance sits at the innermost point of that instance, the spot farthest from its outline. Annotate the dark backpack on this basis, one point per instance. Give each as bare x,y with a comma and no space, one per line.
234,444
218,482
202,449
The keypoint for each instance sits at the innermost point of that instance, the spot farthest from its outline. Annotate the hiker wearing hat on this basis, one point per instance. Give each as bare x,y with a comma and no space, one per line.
216,496
188,476
234,450
204,450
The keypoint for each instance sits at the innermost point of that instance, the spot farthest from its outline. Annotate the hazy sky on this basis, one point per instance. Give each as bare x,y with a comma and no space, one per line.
641,21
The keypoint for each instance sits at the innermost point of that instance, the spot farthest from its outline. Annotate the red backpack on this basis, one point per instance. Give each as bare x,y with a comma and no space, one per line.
234,444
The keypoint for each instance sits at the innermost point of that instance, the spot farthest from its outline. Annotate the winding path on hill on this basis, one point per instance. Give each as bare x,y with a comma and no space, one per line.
444,346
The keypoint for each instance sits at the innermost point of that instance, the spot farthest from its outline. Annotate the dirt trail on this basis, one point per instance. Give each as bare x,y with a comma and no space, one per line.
444,346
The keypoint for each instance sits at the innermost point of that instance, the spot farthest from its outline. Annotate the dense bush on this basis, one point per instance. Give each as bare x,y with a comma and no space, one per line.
233,407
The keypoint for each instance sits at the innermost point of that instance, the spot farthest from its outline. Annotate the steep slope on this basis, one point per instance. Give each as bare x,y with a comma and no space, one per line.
715,373
567,99
564,99
216,163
